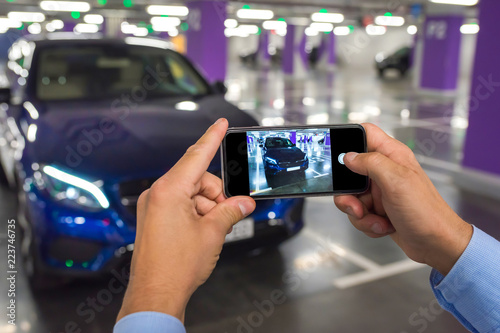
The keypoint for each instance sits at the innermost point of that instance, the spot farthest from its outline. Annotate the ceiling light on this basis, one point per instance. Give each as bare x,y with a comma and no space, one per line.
165,21
394,21
93,19
230,23
311,32
327,17
141,32
375,30
35,28
26,16
85,28
457,2
322,27
255,14
412,29
274,25
168,10
469,29
341,31
7,23
65,6
187,106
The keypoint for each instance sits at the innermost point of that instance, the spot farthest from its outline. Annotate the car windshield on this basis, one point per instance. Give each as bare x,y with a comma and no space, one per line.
109,71
278,143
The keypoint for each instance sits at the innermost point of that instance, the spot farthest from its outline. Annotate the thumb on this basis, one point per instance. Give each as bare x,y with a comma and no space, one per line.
230,211
376,166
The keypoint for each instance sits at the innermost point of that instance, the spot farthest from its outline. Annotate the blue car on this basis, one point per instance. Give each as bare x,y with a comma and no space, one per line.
86,125
281,156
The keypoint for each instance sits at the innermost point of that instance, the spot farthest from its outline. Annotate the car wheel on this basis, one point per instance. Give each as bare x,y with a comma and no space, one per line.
270,180
381,72
38,279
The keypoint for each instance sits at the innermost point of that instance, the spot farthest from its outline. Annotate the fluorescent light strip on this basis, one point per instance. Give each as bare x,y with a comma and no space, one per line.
322,27
457,2
165,21
26,16
78,182
7,23
341,31
327,17
93,19
31,110
255,14
65,6
274,25
230,23
394,21
469,29
374,30
168,10
84,28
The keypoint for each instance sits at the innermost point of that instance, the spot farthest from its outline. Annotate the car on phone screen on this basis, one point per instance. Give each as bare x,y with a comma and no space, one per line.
281,156
88,124
400,61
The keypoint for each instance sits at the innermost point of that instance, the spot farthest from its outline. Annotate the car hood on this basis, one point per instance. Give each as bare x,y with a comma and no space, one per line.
285,154
120,141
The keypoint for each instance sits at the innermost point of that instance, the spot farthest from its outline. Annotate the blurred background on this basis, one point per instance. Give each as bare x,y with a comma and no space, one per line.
99,98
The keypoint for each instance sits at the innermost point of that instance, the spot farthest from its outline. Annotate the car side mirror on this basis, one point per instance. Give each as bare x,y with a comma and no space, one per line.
219,87
5,95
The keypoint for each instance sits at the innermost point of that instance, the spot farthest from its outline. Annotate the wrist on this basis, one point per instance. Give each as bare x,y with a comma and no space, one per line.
153,298
449,245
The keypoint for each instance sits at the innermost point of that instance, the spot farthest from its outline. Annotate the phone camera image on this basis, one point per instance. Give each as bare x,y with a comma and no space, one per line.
284,162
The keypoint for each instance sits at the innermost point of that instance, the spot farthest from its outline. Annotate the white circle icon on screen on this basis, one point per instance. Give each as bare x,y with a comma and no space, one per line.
341,158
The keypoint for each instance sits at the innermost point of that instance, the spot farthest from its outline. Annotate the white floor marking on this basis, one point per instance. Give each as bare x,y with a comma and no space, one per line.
316,172
372,272
425,160
384,271
341,251
321,175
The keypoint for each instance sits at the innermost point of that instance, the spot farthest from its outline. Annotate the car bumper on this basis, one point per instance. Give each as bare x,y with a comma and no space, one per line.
79,243
273,169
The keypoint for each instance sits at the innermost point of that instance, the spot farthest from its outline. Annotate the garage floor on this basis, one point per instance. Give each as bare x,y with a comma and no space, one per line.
330,277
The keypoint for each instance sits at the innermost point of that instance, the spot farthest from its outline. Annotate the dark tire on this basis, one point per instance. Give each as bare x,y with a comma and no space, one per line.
270,180
381,72
4,182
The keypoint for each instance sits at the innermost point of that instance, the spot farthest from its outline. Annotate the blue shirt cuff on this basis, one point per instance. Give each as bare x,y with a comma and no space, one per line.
149,321
471,290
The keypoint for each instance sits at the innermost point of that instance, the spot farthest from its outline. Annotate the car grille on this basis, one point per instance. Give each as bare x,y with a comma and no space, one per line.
130,192
290,164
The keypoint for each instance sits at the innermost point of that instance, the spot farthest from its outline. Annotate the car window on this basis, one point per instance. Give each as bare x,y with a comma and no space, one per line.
94,72
278,143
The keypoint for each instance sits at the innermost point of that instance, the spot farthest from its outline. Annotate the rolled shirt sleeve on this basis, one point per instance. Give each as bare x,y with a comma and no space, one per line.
148,321
471,290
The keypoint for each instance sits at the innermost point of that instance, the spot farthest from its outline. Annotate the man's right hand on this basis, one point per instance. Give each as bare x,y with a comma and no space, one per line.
403,203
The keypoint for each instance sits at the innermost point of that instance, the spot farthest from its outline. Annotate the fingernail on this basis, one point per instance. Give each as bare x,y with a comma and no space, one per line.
244,208
350,156
349,211
218,121
377,228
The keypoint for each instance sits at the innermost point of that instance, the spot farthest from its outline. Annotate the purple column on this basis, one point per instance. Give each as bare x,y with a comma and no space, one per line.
289,50
206,42
264,45
440,62
483,134
332,58
69,26
327,140
293,137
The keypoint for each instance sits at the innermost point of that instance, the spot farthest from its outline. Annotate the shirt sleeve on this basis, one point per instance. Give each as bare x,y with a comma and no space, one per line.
148,321
471,290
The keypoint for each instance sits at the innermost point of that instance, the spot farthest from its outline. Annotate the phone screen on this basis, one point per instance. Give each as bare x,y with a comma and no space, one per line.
292,162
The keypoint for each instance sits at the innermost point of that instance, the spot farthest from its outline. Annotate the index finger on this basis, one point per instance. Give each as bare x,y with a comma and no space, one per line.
197,158
379,141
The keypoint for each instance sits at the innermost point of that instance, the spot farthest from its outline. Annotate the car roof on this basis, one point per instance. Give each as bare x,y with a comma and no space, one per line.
72,39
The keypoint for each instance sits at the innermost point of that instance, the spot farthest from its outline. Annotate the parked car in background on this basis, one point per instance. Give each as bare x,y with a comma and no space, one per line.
400,61
87,125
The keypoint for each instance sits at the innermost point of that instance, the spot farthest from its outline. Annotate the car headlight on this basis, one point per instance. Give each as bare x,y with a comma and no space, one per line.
71,190
271,160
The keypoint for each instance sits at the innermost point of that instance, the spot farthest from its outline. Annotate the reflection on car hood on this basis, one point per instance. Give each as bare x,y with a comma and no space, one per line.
285,154
116,141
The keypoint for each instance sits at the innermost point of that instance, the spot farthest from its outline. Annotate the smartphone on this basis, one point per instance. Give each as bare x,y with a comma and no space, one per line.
299,161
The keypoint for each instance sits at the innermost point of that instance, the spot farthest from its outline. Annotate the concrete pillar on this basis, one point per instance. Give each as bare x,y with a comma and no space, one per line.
483,133
440,63
206,42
